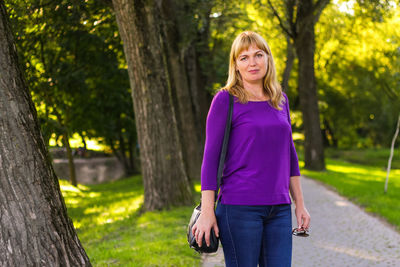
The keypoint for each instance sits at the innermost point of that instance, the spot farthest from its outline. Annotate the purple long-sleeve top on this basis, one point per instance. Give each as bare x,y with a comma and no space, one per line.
260,157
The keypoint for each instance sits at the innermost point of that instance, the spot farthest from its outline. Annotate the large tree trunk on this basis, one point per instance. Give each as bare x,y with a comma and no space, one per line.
35,228
165,180
180,92
305,47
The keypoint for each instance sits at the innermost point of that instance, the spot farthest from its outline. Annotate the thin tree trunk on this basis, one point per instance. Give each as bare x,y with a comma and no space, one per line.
290,56
305,47
198,48
72,174
200,97
391,154
165,179
35,227
124,155
131,157
331,133
83,141
119,154
299,23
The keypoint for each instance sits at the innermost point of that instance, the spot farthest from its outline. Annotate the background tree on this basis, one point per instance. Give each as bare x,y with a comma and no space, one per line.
165,179
357,67
180,87
357,77
77,73
298,25
34,223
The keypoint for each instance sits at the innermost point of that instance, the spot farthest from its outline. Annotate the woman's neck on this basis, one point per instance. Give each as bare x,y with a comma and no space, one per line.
254,89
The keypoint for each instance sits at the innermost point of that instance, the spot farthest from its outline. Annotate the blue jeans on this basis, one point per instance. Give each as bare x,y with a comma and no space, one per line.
252,235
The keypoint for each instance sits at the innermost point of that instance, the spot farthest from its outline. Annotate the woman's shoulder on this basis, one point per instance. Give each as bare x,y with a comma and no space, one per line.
220,101
284,94
222,95
285,102
222,92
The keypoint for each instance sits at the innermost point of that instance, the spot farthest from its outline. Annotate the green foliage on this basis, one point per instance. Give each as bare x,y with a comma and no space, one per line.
75,66
114,231
357,68
75,69
228,19
357,63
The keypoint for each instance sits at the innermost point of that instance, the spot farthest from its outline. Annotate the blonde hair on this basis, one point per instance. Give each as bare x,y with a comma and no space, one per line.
234,84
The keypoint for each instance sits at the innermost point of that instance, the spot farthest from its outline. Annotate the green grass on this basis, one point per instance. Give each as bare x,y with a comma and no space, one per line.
377,157
364,185
114,232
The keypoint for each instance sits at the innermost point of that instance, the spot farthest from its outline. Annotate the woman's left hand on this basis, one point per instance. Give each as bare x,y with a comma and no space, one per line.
303,217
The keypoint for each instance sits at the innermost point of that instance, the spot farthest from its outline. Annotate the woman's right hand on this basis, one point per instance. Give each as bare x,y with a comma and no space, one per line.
203,226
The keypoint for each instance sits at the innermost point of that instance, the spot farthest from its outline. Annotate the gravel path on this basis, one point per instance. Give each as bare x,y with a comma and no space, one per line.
341,234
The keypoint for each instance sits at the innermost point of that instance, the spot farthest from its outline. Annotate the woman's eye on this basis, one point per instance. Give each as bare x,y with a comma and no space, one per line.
259,55
243,58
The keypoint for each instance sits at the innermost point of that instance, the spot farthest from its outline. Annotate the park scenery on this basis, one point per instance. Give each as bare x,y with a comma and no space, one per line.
103,109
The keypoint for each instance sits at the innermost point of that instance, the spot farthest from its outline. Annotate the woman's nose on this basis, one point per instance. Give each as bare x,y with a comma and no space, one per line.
252,60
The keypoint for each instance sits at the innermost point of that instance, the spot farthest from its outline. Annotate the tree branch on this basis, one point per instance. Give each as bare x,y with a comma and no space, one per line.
287,31
290,4
318,8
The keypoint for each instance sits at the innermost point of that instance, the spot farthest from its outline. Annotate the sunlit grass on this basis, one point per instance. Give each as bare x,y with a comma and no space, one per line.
377,157
363,185
114,232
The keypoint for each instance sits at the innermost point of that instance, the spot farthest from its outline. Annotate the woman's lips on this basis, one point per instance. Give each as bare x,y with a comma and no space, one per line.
253,71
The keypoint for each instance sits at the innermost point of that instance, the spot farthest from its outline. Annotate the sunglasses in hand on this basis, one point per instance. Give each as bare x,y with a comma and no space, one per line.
300,232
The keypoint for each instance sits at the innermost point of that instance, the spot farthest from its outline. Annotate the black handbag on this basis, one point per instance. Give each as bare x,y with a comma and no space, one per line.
214,240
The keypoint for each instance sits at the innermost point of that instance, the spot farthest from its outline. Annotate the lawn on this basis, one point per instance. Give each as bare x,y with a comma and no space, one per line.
114,231
363,185
377,157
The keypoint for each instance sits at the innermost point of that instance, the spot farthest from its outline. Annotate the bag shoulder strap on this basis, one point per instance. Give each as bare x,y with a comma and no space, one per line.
224,145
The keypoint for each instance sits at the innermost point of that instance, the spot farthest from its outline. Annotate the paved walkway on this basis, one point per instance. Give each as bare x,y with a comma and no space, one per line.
341,234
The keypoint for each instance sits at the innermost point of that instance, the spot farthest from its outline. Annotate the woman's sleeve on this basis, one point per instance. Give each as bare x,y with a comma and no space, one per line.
294,161
215,129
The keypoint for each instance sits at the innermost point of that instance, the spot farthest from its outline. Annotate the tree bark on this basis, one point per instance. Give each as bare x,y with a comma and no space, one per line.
197,48
201,99
181,93
305,48
290,56
35,228
301,17
165,179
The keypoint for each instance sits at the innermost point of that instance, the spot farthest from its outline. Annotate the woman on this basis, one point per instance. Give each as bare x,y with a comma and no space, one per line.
261,165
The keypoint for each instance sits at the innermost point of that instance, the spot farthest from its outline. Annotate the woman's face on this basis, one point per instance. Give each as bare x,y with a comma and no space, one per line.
252,64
